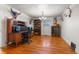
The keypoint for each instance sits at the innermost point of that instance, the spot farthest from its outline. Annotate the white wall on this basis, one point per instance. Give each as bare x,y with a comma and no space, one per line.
23,17
5,13
70,27
46,30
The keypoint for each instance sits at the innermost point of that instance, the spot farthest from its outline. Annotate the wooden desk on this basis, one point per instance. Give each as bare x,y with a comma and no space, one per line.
15,37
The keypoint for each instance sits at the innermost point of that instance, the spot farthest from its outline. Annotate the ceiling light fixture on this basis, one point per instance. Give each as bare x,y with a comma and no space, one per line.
42,17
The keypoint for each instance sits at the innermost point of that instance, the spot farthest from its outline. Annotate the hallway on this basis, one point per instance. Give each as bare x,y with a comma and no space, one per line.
41,45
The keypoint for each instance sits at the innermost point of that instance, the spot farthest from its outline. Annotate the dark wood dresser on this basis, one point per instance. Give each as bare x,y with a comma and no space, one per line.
56,31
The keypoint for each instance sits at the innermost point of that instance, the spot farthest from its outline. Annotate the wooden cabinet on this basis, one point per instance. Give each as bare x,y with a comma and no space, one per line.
10,38
13,36
56,31
17,37
9,31
9,25
56,28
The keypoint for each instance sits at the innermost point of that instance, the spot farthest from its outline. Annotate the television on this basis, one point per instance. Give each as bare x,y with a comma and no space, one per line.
18,28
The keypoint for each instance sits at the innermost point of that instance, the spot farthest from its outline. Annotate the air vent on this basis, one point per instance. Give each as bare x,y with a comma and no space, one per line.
73,46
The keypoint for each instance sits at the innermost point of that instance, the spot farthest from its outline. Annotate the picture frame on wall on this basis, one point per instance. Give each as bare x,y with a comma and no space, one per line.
68,12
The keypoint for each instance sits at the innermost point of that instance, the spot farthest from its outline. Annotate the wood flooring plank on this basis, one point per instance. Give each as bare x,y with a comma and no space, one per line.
41,45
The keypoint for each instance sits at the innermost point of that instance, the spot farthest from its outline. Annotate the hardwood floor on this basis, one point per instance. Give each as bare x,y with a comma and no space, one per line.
41,45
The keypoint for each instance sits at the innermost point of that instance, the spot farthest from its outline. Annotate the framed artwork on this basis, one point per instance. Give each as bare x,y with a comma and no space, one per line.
68,12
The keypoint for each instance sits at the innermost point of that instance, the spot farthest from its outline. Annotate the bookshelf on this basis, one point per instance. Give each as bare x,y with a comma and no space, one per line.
37,27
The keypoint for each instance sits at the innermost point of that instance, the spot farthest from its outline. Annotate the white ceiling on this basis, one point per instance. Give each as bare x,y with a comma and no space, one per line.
35,10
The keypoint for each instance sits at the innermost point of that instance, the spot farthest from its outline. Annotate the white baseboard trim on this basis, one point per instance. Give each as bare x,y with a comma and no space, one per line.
69,43
77,51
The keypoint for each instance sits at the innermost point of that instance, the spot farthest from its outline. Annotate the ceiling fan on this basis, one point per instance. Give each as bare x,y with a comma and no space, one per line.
15,13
